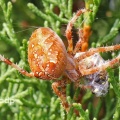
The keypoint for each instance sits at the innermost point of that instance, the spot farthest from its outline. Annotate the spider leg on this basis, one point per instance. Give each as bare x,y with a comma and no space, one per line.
69,28
59,87
22,71
82,44
102,67
96,50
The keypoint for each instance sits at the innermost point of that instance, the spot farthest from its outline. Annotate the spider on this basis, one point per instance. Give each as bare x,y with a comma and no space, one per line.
49,60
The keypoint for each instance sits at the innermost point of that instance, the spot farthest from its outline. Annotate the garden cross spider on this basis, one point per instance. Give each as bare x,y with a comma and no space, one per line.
49,59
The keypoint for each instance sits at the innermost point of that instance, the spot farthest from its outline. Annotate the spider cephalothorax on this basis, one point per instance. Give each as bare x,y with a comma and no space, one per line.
48,60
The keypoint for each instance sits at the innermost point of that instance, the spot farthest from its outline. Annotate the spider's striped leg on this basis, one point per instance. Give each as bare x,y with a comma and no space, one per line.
96,50
69,28
59,87
102,67
22,71
82,44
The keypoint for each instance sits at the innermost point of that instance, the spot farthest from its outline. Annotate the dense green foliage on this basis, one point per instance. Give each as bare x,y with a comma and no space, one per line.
33,98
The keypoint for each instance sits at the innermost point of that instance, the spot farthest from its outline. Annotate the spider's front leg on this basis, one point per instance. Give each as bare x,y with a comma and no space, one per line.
59,87
69,28
96,50
82,43
103,67
79,57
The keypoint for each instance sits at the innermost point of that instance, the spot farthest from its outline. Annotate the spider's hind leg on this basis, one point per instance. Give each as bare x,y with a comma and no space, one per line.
59,87
22,71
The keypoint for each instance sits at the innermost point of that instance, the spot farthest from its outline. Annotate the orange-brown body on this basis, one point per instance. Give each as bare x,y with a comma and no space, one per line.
46,54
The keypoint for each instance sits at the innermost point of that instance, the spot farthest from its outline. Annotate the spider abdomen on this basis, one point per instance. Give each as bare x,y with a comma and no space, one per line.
46,54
